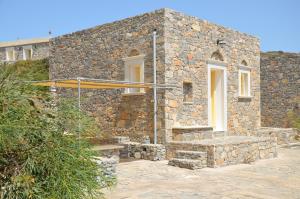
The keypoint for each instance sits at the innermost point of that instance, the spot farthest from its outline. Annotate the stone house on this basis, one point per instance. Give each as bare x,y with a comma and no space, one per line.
214,71
37,48
208,87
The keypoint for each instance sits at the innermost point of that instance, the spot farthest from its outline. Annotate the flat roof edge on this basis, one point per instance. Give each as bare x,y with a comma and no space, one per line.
23,42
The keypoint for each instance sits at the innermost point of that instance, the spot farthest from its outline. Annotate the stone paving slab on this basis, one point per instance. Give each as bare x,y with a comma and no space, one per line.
265,179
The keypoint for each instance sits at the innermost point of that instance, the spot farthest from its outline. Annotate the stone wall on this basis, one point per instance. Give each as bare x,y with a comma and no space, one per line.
243,152
39,51
191,44
280,87
284,136
137,150
98,53
108,169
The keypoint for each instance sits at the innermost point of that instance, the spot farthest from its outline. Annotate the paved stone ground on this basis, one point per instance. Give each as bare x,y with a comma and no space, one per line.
265,179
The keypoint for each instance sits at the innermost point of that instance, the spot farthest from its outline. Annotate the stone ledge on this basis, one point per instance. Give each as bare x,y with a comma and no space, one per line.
224,140
193,155
189,133
201,128
187,163
106,147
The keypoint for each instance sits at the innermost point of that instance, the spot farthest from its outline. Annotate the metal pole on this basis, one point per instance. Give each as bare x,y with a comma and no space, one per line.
154,88
79,109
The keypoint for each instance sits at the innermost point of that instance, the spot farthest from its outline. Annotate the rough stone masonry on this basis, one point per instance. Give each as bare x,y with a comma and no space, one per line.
185,47
280,87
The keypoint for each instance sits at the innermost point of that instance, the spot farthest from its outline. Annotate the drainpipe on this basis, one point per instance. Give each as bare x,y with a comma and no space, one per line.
154,87
79,109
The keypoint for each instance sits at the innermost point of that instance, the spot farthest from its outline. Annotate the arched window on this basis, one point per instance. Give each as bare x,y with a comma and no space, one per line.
244,63
134,70
244,80
134,52
217,56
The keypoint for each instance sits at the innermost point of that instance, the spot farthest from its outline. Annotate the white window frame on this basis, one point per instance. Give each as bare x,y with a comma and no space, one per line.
24,54
244,71
130,63
14,54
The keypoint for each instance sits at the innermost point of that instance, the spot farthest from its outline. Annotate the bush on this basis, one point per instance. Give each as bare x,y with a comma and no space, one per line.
41,153
294,119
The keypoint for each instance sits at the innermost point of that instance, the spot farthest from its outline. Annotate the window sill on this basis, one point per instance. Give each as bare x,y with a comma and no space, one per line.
245,97
133,94
188,103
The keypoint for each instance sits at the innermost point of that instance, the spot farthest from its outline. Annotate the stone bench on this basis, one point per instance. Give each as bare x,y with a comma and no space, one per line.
191,133
108,151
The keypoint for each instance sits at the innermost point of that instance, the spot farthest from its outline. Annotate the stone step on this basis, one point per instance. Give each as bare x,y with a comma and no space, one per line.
193,155
188,163
217,134
105,141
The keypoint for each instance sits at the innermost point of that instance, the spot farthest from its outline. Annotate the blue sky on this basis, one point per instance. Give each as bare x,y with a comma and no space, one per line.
275,22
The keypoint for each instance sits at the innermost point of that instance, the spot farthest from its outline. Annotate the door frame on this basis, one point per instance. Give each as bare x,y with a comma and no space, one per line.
224,69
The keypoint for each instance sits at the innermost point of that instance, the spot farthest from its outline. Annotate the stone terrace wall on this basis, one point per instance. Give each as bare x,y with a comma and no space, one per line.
229,150
190,42
97,53
284,135
39,51
280,87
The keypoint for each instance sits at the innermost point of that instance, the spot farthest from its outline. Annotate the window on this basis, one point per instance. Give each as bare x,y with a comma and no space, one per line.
134,72
244,83
244,63
187,92
27,52
10,54
217,56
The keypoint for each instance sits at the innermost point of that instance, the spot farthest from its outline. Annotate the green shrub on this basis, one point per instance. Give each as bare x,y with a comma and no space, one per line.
294,119
41,153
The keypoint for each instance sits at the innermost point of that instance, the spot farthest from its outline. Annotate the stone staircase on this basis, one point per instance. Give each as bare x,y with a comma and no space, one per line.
199,147
189,159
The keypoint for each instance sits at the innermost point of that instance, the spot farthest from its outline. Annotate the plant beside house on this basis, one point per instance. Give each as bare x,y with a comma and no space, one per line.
294,118
41,152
